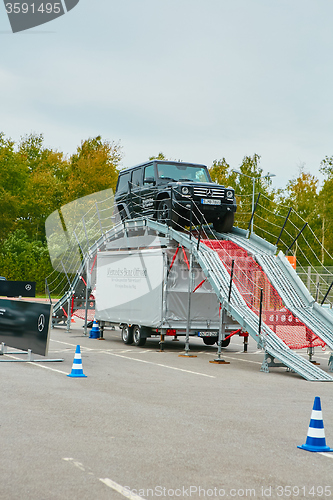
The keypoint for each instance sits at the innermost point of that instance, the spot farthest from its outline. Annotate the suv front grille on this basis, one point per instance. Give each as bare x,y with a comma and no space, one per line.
207,192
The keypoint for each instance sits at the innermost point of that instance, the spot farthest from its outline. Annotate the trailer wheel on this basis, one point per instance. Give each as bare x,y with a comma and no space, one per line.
209,340
138,339
127,334
225,343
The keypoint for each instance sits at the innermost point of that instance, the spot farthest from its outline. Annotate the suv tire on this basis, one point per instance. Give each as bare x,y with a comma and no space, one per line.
165,214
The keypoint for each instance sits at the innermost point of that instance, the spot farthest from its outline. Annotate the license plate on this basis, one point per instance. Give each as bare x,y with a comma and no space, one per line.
210,201
208,334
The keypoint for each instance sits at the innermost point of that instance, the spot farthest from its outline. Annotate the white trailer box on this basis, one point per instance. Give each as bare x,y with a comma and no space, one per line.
148,290
129,287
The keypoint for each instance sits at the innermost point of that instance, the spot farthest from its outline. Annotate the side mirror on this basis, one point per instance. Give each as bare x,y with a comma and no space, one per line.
149,180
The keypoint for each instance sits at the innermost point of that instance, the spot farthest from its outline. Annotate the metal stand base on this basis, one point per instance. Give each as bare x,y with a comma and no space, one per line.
220,362
310,354
187,356
3,350
270,363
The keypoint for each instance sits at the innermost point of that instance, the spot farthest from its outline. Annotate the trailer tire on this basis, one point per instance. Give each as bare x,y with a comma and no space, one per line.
127,334
225,343
209,340
138,339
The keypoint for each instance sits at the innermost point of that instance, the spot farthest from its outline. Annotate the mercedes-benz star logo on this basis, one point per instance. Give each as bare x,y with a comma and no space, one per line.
41,322
209,192
28,287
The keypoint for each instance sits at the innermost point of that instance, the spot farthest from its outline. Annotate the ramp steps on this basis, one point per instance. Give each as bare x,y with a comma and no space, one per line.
220,279
300,304
305,312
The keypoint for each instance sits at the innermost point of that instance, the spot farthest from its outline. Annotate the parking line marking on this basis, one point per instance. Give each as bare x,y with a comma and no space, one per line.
224,354
120,489
159,364
245,360
330,455
140,360
37,364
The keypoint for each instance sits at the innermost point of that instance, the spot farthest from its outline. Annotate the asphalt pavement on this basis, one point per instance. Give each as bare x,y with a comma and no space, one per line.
150,424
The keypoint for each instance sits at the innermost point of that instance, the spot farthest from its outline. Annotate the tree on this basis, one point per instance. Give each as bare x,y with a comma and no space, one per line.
325,204
220,173
160,156
45,185
301,194
94,167
246,197
26,260
13,177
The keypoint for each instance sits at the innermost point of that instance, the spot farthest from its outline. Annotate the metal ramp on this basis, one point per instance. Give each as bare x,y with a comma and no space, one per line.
290,287
219,278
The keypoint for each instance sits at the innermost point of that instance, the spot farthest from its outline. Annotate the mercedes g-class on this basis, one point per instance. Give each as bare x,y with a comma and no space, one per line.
169,191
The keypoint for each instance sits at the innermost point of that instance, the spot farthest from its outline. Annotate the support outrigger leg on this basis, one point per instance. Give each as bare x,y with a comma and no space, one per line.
330,363
188,325
219,360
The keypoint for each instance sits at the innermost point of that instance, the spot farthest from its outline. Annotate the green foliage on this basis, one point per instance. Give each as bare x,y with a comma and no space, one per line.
36,180
220,173
94,167
326,166
160,156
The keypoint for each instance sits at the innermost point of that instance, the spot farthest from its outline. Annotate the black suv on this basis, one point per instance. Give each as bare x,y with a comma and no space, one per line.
175,193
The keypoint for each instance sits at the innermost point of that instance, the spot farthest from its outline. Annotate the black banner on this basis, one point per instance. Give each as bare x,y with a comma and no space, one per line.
25,325
17,288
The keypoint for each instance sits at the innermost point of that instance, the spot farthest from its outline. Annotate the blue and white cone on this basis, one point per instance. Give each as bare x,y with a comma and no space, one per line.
315,440
94,332
77,370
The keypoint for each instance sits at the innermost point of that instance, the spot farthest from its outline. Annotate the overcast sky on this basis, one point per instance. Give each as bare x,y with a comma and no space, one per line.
196,79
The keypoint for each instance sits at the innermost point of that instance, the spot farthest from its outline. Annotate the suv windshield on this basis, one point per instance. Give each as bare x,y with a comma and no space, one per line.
182,173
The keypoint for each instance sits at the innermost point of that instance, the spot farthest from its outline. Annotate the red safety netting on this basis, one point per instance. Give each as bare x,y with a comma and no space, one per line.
80,313
249,278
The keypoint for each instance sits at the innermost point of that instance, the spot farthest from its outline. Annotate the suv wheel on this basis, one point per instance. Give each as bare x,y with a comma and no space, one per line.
226,224
119,215
165,214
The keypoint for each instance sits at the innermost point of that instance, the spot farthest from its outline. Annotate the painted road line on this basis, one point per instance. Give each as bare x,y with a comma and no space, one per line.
125,492
37,364
226,356
141,360
159,364
244,360
73,345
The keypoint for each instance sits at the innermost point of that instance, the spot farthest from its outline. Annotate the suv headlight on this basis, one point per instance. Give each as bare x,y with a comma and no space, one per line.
185,190
230,195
